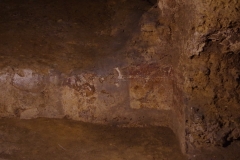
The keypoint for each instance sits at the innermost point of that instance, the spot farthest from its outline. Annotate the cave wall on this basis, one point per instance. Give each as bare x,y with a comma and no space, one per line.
179,68
206,73
117,98
84,64
129,90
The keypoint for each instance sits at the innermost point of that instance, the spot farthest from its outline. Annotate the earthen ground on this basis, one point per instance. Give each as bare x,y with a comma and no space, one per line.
62,139
52,139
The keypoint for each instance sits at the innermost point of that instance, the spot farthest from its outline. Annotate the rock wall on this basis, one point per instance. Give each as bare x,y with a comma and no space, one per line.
124,97
206,72
97,64
178,67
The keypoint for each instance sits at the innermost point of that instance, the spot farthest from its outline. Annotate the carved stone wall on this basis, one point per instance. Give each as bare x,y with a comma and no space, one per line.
174,64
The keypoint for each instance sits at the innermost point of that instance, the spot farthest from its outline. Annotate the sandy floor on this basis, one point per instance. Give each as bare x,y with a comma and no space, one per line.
52,139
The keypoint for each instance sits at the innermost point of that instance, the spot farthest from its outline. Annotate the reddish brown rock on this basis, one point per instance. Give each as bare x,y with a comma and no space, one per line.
174,64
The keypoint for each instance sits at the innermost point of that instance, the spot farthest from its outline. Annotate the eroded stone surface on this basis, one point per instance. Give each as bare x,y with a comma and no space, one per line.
87,96
82,68
206,85
173,64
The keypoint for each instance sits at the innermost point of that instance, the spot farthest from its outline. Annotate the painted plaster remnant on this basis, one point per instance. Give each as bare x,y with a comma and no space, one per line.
150,87
26,80
3,77
120,76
